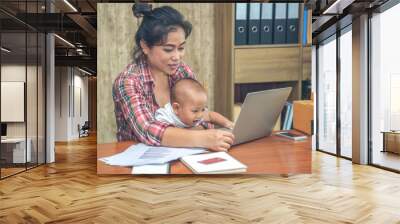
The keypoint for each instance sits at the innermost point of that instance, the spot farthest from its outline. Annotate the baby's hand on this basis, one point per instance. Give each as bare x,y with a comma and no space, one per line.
198,127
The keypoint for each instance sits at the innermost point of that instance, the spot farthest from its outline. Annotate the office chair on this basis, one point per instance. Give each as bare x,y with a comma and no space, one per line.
84,130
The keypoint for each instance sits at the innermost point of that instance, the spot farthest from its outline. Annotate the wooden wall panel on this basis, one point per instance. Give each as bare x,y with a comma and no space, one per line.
116,30
92,99
271,64
266,64
224,59
307,63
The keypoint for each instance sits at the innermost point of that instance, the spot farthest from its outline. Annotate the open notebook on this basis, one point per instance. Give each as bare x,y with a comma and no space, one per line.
213,163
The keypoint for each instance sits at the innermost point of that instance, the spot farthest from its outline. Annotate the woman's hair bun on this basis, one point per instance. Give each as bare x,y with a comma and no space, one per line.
141,9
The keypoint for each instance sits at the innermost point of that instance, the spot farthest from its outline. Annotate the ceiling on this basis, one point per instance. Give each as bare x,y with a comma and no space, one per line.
329,15
74,22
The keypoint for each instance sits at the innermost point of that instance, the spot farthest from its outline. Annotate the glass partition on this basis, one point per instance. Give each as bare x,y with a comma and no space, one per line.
31,101
41,111
31,98
327,95
385,89
22,88
346,92
13,92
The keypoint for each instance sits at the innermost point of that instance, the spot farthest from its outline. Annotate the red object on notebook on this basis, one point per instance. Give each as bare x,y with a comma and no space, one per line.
212,160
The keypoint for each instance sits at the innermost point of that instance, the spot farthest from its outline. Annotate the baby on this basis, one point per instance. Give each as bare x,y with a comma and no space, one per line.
188,107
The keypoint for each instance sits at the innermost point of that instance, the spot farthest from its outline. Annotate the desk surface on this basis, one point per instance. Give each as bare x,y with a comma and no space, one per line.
391,132
269,155
13,140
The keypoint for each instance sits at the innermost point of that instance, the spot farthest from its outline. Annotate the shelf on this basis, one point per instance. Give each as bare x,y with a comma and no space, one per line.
270,64
266,46
261,64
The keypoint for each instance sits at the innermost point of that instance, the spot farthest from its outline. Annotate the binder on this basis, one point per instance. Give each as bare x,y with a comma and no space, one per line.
290,119
305,26
287,124
254,23
286,117
292,25
309,22
241,24
283,116
280,23
266,26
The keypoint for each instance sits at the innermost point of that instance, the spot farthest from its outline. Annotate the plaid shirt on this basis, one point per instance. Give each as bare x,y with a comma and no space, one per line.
135,103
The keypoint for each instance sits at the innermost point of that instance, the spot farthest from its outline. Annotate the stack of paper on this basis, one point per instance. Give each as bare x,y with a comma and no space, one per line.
141,154
213,163
293,136
151,169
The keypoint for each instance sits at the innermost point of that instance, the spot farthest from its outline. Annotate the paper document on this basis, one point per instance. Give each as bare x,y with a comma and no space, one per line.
141,154
155,153
151,169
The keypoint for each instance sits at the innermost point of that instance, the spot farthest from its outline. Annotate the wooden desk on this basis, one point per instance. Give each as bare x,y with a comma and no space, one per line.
391,141
269,155
13,150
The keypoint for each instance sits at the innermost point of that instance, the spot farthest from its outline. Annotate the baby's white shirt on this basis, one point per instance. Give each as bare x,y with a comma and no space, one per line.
166,114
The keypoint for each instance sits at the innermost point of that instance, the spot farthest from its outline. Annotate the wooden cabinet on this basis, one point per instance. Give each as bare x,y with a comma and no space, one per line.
246,64
267,64
391,141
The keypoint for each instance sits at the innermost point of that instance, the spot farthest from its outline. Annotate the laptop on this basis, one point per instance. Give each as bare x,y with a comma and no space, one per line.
259,113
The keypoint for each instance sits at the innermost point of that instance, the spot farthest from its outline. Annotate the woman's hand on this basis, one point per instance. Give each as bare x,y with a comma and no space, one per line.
218,140
229,124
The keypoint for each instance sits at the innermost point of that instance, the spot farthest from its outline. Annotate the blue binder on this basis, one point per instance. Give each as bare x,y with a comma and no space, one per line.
290,119
305,28
241,28
292,25
287,124
254,23
280,23
266,26
287,115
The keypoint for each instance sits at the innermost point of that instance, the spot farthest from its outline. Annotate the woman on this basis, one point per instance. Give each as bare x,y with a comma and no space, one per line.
145,85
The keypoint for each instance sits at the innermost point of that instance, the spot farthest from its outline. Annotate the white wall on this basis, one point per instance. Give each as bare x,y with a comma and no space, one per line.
13,72
33,126
61,103
79,117
69,85
12,101
16,73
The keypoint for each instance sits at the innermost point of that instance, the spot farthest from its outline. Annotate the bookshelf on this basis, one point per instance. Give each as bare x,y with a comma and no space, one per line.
253,65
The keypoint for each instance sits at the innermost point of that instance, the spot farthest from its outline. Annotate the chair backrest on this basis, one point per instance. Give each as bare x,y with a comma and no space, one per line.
86,125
